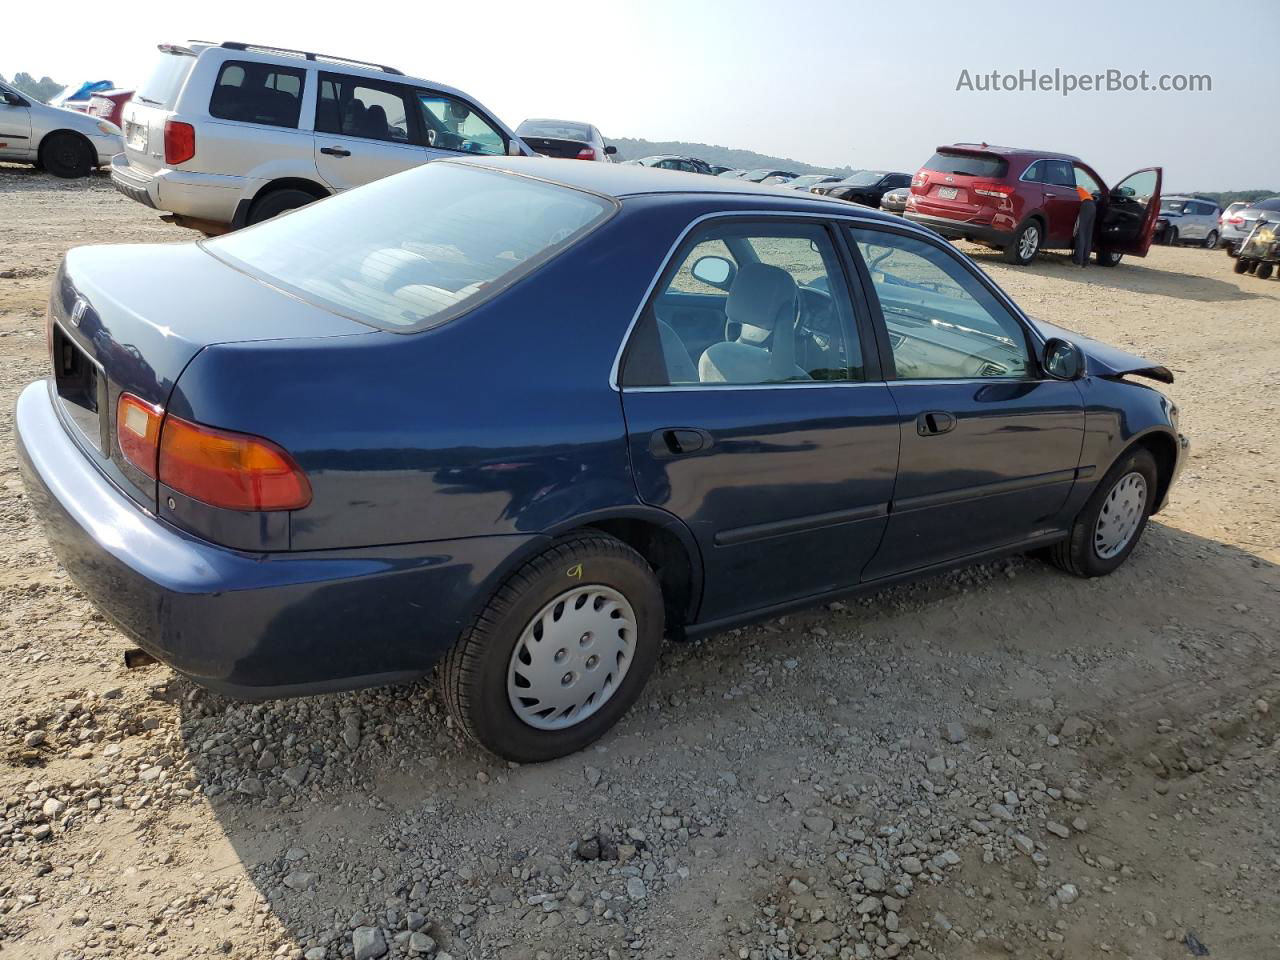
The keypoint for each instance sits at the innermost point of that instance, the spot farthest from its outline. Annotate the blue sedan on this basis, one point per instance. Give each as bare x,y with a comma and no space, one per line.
523,418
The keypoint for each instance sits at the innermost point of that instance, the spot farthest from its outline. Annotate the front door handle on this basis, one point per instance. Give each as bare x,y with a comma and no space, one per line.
678,442
933,423
335,151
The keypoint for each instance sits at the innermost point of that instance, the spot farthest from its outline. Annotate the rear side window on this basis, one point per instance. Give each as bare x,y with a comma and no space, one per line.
166,78
968,164
1057,172
257,93
412,251
359,108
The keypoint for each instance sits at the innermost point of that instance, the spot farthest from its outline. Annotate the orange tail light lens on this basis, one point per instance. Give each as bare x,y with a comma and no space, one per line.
231,470
138,432
222,468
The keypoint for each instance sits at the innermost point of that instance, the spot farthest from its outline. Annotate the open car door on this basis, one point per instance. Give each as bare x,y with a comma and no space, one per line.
1129,218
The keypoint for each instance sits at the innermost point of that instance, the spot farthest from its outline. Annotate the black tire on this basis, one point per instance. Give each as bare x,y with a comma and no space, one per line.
1241,265
1013,249
1108,258
1171,237
474,673
1211,240
1078,554
1230,247
67,155
1263,271
1253,266
277,202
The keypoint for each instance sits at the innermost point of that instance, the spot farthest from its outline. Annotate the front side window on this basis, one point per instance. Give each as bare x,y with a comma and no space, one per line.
453,124
253,92
748,304
411,251
943,324
1083,179
351,107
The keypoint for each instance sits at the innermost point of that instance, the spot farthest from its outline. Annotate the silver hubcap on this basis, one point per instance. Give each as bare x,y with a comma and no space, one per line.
1029,244
571,657
1122,511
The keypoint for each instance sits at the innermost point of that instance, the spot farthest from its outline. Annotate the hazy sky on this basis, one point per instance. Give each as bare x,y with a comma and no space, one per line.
824,82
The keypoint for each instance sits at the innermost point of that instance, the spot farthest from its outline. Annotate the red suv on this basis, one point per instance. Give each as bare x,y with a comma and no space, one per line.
1022,201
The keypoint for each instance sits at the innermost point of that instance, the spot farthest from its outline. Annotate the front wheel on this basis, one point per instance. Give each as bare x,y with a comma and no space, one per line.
1171,237
1211,240
559,653
1111,523
1024,246
1108,258
67,155
1241,265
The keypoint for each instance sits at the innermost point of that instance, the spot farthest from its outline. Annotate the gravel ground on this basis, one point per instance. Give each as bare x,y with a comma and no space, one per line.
1003,762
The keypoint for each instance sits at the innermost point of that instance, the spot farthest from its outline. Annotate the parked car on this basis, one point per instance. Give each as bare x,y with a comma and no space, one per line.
668,162
78,98
808,181
567,139
1260,252
1230,214
866,187
895,200
781,180
64,142
1184,219
1022,201
731,174
763,173
217,136
1237,226
719,171
225,462
109,105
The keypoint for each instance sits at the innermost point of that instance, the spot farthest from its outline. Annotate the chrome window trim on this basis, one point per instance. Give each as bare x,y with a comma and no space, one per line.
1023,178
906,226
803,384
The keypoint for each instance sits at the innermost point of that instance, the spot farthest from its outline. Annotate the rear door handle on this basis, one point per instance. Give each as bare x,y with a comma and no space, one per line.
335,151
678,442
933,423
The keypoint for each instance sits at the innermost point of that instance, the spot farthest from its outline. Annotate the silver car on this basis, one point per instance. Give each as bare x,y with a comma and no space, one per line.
224,135
895,200
1238,224
1186,219
64,142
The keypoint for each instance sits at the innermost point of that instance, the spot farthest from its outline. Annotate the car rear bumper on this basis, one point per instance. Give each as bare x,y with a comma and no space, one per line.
198,196
251,626
960,229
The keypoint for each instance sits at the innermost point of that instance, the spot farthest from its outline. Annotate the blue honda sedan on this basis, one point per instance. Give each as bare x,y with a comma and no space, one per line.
523,418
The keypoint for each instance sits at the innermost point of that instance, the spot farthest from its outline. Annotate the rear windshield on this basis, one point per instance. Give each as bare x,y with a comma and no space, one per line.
555,130
968,164
169,72
1271,203
414,250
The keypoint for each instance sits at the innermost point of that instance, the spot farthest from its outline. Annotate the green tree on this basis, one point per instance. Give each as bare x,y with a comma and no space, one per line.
43,89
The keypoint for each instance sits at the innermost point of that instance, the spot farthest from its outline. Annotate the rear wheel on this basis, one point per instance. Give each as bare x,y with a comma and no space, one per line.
277,202
1107,258
1109,527
1024,246
67,155
1263,271
1211,240
559,653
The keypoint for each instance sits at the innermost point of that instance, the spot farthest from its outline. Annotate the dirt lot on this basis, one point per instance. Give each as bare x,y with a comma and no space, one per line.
1004,762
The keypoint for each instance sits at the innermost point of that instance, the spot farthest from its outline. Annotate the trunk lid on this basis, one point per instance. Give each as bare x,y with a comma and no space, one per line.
116,328
947,185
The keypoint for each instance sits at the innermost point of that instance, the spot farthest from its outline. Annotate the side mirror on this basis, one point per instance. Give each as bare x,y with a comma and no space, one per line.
714,271
610,149
514,148
1063,360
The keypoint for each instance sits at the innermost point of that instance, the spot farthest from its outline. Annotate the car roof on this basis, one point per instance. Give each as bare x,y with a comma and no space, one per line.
576,123
620,181
1010,151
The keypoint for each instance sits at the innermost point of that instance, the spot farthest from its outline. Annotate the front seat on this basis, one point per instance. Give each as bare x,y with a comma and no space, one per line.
763,302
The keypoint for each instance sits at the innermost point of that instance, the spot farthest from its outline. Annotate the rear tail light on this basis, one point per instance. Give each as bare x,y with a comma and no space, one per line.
138,432
920,179
1235,221
993,190
179,142
587,153
222,468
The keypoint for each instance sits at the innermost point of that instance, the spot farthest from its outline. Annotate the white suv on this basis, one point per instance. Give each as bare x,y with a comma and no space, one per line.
224,135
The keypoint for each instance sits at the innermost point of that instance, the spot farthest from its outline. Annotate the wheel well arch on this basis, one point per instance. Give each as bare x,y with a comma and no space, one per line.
1164,448
291,183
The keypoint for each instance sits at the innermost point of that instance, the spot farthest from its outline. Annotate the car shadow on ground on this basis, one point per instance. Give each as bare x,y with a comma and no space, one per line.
365,809
1130,275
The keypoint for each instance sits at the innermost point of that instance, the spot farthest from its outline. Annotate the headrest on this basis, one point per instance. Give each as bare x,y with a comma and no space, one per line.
762,297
